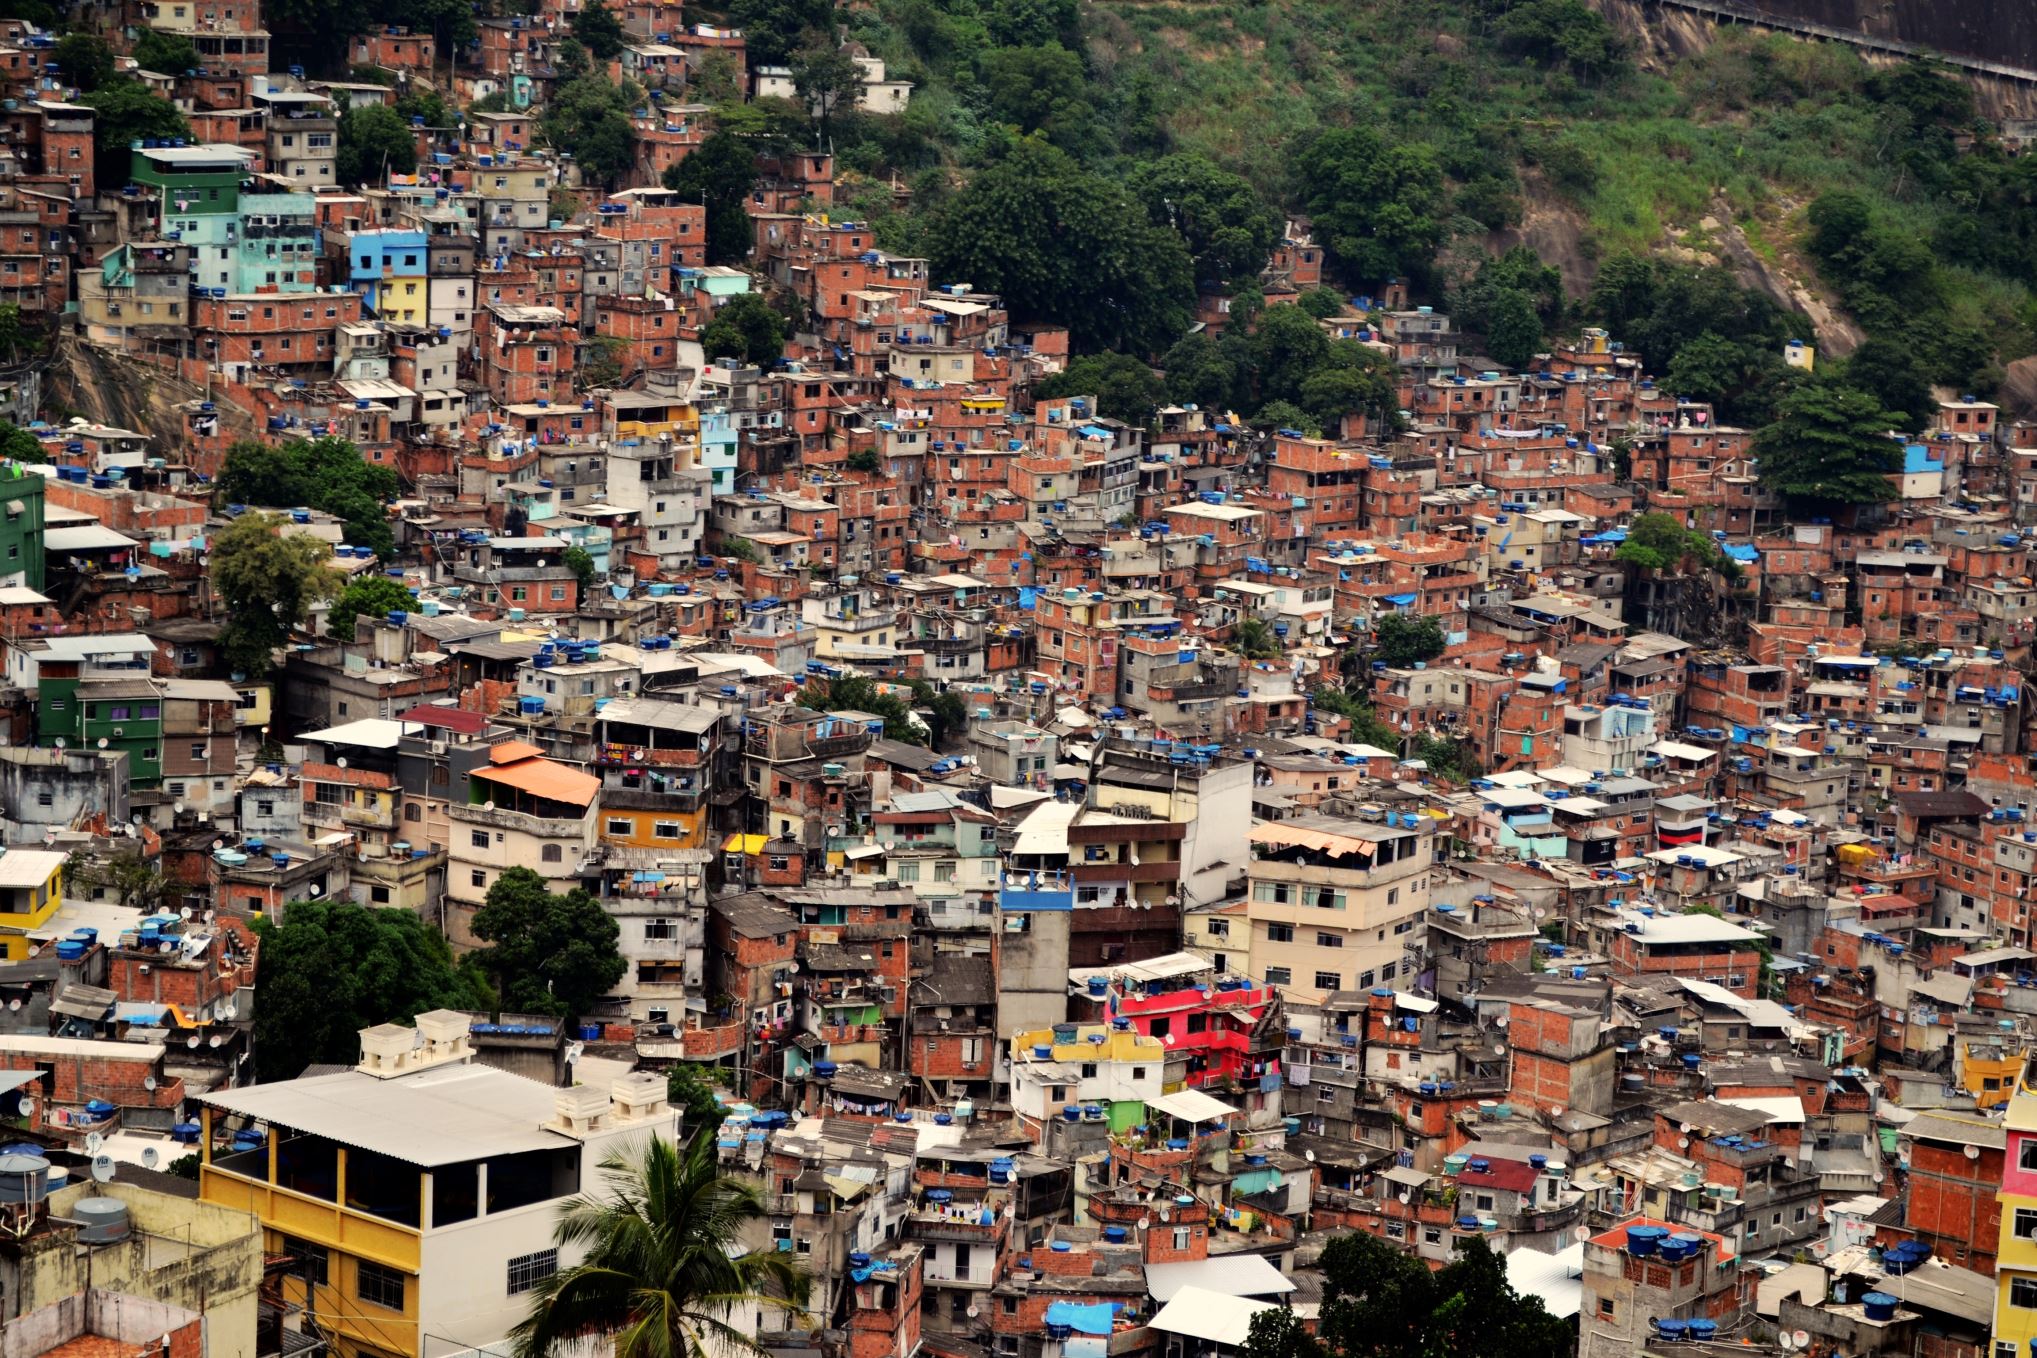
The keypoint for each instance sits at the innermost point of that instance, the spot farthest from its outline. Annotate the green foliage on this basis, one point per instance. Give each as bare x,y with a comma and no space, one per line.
745,328
691,1089
332,968
546,953
864,460
1829,446
267,583
946,712
1287,415
774,29
853,693
86,60
374,142
664,1268
1204,372
580,561
741,549
589,117
1254,639
1323,303
185,1166
1449,758
125,111
1401,640
164,53
327,474
374,595
1124,388
1062,244
1381,1302
1353,378
1659,307
599,31
601,361
1366,727
1889,369
18,445
1287,347
1513,333
1657,542
1228,228
135,882
1565,33
718,174
828,82
1374,202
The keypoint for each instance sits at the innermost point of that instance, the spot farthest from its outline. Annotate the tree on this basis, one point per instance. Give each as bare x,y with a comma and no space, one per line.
947,712
1401,641
267,583
580,561
1449,758
1288,346
718,175
1044,90
1034,23
589,117
1228,228
374,142
1888,369
1283,415
86,60
1513,334
374,595
15,337
745,328
1354,378
331,968
665,1272
1379,1302
1061,244
599,31
1199,371
327,474
854,693
774,29
1254,639
548,953
165,53
185,1166
18,445
828,82
1565,33
136,883
1124,388
1829,446
1374,202
691,1088
124,112
1323,303
601,362
1366,727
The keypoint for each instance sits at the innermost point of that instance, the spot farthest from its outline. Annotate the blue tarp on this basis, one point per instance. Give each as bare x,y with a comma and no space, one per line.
1400,600
1094,1318
1740,551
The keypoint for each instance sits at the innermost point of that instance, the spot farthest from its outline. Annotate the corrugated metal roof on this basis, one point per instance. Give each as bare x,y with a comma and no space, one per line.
543,778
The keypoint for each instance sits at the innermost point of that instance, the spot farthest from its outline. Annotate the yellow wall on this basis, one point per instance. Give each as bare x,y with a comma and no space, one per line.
642,823
45,900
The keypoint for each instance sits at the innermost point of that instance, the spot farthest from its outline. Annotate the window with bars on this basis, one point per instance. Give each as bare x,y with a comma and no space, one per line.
528,1270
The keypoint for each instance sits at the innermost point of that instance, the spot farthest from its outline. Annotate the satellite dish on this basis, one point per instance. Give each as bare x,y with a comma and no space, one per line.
218,844
1801,1338
35,950
93,1142
184,913
61,742
1972,1151
14,1004
102,1168
1309,1156
104,742
1581,1234
1685,1128
1145,1223
340,763
1682,1142
191,1041
149,1157
149,1083
1783,1341
177,807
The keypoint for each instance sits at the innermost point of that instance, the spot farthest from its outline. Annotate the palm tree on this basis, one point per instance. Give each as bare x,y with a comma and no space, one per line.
664,1275
1254,640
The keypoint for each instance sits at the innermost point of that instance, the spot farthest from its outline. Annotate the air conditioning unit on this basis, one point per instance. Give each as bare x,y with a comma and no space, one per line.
438,747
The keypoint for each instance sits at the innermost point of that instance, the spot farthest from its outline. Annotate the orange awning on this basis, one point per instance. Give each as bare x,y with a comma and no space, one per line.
543,778
509,751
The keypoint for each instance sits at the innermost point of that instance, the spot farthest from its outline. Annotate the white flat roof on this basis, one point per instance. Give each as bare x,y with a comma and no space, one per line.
372,733
442,1115
1192,1105
1173,964
1233,1275
1202,1314
85,537
1558,1279
28,867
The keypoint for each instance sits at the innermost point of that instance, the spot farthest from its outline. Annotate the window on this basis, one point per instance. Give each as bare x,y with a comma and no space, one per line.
479,838
1329,980
2024,1225
2023,1293
309,1259
378,1285
551,853
667,829
528,1270
1218,928
477,878
378,895
1279,976
661,929
1324,940
2026,1153
1280,933
617,826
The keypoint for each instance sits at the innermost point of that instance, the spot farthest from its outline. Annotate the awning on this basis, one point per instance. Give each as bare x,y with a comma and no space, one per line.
1191,1105
748,844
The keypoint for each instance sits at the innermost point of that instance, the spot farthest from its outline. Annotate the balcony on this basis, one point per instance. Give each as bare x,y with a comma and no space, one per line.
957,1225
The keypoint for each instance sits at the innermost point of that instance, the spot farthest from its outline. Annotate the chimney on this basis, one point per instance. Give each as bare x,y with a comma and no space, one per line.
639,1097
581,1110
388,1049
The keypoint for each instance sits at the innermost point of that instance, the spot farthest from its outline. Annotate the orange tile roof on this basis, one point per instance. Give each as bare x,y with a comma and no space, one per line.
510,751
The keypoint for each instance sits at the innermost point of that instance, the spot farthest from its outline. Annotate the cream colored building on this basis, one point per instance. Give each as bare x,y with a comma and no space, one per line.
523,811
1337,904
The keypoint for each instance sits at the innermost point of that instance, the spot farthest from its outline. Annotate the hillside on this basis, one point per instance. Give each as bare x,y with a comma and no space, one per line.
1425,137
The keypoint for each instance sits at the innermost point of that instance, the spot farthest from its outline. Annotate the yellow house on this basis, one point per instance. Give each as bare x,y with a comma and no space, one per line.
31,889
416,1194
636,821
1988,1071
